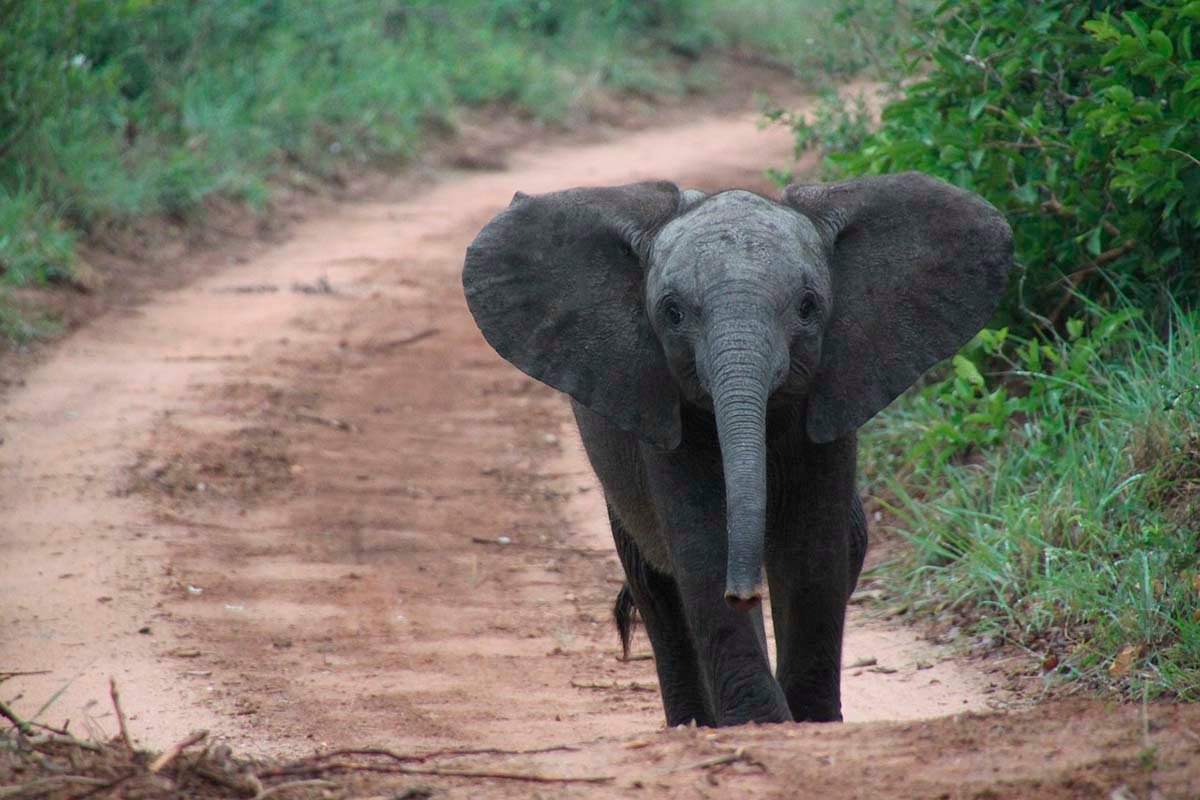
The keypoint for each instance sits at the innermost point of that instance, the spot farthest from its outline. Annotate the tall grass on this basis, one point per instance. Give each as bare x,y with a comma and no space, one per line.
1057,504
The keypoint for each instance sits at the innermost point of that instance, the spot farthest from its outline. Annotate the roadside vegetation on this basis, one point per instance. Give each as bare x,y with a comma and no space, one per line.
1048,478
112,111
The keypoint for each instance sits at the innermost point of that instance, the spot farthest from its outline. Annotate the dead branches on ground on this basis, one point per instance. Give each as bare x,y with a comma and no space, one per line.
45,765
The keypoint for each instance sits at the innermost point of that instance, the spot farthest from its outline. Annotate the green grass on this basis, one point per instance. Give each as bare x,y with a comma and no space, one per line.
1056,504
113,109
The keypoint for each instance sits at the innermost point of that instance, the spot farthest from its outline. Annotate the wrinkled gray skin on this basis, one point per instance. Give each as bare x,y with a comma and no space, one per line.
721,352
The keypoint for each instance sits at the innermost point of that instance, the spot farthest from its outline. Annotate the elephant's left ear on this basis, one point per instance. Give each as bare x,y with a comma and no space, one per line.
918,266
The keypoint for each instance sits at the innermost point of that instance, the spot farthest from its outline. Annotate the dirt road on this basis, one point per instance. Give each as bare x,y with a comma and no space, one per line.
300,503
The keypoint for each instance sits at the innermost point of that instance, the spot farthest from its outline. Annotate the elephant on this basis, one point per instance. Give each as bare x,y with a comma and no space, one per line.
721,351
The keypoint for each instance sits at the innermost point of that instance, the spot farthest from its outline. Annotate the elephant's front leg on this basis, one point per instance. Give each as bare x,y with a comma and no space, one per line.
684,694
732,657
814,553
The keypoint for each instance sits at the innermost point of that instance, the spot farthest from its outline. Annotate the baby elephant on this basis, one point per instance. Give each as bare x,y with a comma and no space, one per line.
721,351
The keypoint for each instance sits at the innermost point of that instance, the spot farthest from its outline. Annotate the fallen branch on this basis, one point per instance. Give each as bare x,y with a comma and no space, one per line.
531,777
43,726
246,784
632,686
316,783
172,752
10,715
62,738
716,761
5,675
40,785
105,788
447,753
124,727
445,772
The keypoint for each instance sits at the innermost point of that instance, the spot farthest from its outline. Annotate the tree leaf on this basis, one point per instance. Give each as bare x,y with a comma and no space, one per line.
966,369
1162,43
1136,25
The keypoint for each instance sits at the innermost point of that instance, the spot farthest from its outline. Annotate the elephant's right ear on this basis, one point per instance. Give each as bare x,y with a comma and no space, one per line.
555,283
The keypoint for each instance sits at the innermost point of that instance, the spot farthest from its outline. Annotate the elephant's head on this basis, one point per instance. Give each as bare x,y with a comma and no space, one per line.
635,299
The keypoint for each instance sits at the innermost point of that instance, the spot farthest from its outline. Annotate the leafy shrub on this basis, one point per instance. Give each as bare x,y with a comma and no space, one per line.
1079,124
837,123
115,108
1055,503
1048,481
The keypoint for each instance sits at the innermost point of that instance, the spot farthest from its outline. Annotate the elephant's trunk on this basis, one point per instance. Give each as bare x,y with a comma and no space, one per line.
741,383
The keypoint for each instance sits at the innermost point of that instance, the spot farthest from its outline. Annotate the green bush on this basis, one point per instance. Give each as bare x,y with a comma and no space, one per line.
111,109
1055,502
1079,124
1048,481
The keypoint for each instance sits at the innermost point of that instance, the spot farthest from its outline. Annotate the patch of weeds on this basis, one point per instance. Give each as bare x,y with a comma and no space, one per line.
34,247
114,110
1049,489
20,326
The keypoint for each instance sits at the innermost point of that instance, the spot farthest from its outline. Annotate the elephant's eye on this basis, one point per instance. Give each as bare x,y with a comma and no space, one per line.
808,306
672,311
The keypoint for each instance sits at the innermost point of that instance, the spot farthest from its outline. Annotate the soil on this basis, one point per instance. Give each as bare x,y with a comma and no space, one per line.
298,502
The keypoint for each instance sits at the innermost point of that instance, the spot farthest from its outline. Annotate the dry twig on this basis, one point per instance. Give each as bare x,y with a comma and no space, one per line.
172,752
20,673
63,738
447,753
124,726
316,783
632,686
716,761
10,715
40,786
532,777
445,772
245,784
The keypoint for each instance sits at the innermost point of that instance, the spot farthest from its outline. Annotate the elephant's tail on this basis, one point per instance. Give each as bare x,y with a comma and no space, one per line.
624,613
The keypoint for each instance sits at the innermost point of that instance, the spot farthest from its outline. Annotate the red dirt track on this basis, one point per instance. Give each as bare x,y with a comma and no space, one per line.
300,503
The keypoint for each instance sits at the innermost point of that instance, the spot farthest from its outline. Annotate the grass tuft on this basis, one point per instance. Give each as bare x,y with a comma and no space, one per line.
1057,505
